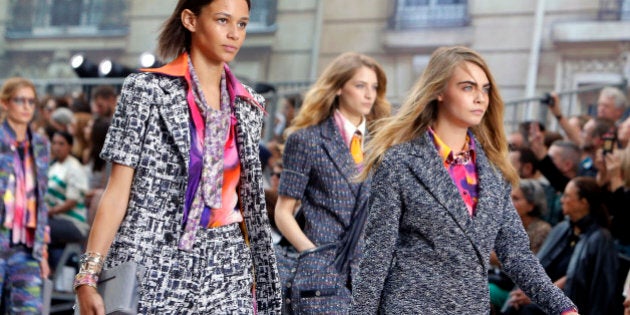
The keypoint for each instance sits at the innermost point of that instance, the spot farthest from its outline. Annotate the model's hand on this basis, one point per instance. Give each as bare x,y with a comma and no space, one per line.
90,302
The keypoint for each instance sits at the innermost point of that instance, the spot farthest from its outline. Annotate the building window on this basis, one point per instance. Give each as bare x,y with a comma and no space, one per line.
262,17
410,14
67,18
614,10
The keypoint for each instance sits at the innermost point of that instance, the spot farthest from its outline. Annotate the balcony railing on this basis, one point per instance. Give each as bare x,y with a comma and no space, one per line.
614,10
262,17
410,14
67,18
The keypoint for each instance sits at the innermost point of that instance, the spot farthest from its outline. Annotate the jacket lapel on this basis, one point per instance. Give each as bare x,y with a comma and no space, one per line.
428,168
175,115
339,153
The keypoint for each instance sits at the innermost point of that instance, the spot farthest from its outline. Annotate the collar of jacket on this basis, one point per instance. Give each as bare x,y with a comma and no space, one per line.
179,68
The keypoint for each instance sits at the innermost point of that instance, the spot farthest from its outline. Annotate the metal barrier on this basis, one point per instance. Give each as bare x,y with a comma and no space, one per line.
579,101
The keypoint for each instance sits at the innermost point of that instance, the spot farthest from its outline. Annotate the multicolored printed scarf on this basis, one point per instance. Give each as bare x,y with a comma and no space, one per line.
19,199
211,198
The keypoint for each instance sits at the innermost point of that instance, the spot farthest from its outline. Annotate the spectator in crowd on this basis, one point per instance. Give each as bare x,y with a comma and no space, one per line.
578,254
531,203
440,200
526,165
322,155
60,120
77,130
516,141
578,121
65,197
41,122
290,104
591,141
616,177
176,207
559,163
551,137
23,234
98,170
104,101
611,104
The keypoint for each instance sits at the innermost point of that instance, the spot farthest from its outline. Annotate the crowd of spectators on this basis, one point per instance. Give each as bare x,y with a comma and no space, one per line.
580,179
76,128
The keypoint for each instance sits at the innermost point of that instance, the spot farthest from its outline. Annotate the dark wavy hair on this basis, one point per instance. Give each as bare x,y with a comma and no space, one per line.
588,189
174,38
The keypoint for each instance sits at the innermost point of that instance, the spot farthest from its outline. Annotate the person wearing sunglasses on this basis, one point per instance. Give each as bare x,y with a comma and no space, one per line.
24,156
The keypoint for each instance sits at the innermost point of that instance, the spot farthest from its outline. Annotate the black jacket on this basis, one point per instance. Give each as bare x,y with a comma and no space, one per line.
592,270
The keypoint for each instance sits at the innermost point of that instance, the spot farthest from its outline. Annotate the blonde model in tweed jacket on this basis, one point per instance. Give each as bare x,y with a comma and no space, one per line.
425,253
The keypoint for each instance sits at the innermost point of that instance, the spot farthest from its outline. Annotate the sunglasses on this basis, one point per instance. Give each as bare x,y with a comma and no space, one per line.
276,174
21,101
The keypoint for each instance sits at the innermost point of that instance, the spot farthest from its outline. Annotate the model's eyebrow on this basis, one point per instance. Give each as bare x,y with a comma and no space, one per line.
361,81
487,85
227,15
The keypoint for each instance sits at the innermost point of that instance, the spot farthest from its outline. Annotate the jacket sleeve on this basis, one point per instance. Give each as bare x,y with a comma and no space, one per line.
512,248
381,234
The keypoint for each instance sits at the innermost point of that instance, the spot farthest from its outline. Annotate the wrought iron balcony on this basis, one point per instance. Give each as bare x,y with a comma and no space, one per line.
411,14
67,18
614,10
262,17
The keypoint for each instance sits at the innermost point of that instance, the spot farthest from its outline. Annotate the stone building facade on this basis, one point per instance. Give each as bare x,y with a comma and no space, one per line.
532,46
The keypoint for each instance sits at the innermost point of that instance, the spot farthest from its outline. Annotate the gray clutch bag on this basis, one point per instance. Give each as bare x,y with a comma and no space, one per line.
119,288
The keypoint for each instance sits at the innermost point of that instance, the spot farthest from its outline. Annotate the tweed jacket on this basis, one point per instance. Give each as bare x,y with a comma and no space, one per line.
41,154
152,135
319,171
424,254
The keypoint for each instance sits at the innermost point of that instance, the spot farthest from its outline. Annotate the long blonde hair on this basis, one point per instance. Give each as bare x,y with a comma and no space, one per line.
321,100
420,108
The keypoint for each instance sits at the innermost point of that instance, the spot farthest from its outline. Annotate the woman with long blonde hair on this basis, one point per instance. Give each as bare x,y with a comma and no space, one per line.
440,200
322,157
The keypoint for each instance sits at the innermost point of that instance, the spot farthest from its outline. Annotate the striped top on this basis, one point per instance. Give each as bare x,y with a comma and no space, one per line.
67,181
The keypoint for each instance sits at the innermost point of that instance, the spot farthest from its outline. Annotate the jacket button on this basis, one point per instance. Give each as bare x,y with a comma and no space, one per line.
288,285
288,301
293,270
317,293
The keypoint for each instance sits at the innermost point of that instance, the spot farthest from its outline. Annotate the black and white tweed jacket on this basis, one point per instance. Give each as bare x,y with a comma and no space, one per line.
155,135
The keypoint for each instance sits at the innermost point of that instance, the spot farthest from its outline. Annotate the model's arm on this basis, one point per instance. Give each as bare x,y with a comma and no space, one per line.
512,248
297,159
111,209
381,234
109,215
288,226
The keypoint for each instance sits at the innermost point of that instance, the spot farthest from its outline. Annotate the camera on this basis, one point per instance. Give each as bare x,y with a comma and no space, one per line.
610,139
547,100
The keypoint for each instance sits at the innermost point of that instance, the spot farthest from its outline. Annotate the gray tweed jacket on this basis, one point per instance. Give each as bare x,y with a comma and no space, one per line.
425,255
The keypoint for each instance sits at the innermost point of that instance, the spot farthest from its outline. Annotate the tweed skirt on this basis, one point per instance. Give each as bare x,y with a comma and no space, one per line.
214,278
